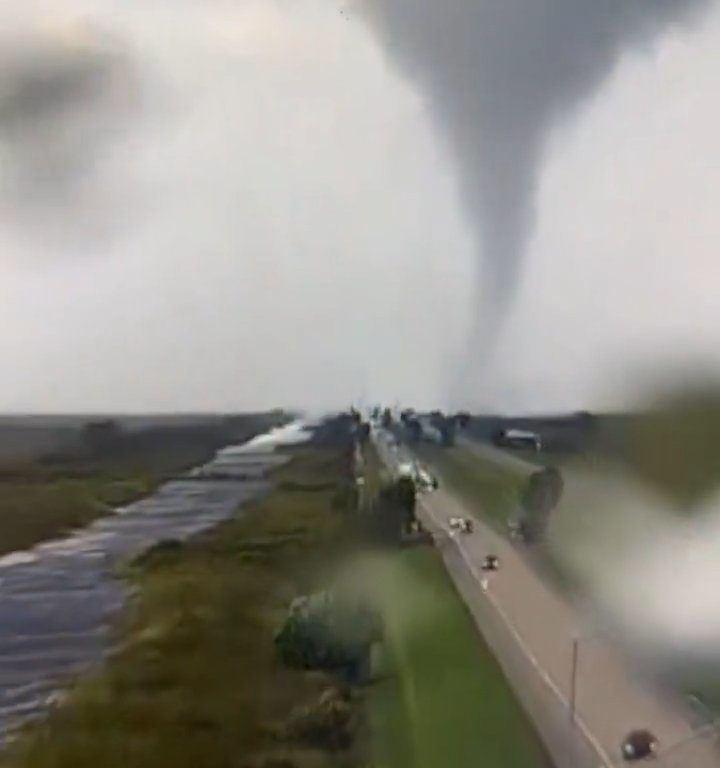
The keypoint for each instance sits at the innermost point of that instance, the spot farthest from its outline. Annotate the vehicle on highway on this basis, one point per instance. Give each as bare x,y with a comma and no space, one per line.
423,480
518,438
639,744
461,524
406,469
491,563
515,529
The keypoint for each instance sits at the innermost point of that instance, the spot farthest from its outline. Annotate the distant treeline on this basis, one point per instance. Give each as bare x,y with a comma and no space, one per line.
109,439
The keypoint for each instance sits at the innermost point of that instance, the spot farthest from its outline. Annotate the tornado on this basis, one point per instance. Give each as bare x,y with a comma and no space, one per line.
499,76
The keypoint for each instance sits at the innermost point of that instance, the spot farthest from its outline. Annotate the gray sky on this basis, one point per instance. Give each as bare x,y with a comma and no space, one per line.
245,204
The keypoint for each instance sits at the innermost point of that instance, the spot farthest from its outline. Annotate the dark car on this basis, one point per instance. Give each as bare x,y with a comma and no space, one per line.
490,563
639,745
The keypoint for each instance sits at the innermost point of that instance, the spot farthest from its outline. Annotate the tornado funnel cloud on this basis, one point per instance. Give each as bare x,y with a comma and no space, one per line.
499,76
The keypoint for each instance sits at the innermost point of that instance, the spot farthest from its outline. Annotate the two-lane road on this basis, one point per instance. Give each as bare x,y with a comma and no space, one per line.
532,629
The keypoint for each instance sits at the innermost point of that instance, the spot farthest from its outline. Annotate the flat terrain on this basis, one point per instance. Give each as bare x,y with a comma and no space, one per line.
195,680
444,700
51,482
490,488
441,698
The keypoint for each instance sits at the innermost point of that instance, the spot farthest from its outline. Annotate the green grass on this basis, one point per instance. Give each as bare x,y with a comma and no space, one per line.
490,490
37,510
442,699
43,498
196,681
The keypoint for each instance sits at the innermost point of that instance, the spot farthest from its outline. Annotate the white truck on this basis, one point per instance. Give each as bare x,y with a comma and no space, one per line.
460,525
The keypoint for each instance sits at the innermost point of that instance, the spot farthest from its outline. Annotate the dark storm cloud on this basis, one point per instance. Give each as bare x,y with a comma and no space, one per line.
499,75
64,102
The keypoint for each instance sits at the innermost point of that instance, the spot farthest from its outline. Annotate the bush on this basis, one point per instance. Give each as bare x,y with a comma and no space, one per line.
321,632
323,724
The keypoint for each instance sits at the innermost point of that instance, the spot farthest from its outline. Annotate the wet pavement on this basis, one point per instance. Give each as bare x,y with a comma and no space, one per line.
58,600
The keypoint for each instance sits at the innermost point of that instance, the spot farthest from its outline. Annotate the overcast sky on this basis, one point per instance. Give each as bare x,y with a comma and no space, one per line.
229,205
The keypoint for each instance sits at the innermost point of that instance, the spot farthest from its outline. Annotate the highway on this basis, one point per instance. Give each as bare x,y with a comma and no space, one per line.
532,631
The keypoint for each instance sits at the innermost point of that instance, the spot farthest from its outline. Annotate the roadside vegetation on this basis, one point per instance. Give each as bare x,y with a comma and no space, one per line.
196,680
210,668
491,490
49,493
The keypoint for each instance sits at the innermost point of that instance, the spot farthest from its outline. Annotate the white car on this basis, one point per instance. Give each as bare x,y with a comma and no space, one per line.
406,469
425,480
461,524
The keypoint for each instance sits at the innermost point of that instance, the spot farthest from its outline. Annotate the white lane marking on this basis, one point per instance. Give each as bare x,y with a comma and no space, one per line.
607,762
544,675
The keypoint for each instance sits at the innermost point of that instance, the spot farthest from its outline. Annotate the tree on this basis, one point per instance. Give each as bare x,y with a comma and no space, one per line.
447,432
387,419
364,432
414,430
402,494
436,418
393,513
323,632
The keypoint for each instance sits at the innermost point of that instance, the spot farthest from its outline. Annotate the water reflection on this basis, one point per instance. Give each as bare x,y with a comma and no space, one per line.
57,601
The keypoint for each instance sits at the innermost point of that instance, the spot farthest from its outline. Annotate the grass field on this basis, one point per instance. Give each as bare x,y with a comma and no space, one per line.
34,510
196,681
43,498
490,490
442,699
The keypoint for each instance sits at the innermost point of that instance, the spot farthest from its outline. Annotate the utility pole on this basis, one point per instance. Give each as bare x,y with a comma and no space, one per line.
573,678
